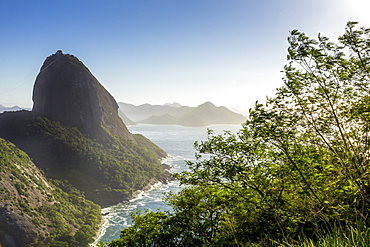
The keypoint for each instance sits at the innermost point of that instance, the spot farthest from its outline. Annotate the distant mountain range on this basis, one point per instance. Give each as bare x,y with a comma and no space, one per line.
176,114
12,108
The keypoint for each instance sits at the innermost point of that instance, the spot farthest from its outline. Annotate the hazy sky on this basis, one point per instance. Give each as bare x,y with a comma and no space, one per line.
229,52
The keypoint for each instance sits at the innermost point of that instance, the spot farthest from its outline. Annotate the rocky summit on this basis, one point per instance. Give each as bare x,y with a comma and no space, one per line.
65,89
80,151
74,133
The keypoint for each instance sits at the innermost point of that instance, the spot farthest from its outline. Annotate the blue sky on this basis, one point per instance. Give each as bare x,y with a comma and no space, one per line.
229,52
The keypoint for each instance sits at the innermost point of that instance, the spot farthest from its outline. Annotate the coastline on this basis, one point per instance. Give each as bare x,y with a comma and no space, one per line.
153,183
135,196
100,232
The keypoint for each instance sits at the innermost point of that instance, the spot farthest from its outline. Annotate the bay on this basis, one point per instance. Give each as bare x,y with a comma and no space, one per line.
178,142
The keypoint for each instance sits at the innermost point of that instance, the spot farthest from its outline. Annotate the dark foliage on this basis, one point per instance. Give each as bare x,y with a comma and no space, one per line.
108,170
57,213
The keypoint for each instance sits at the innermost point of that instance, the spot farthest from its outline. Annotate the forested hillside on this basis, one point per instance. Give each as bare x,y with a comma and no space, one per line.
80,148
40,212
74,133
107,170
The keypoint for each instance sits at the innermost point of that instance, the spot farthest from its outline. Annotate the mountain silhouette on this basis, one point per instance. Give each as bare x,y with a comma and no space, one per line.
202,115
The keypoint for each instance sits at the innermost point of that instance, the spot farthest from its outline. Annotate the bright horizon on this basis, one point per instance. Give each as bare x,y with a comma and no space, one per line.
228,52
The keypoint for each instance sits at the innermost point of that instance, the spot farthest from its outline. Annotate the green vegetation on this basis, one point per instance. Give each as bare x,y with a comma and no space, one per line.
97,158
74,219
52,212
296,174
107,169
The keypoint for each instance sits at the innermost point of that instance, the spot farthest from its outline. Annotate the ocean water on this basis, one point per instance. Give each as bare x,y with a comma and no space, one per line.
178,142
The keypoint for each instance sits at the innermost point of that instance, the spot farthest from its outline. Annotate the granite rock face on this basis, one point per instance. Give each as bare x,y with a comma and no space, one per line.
66,90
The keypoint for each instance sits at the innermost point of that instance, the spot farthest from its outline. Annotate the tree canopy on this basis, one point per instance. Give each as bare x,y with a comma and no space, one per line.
298,166
107,170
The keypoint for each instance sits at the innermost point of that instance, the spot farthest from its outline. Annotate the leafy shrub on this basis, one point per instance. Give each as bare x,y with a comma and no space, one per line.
298,168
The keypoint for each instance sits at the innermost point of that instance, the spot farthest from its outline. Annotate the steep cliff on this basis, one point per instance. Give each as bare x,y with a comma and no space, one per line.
35,211
74,133
67,90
